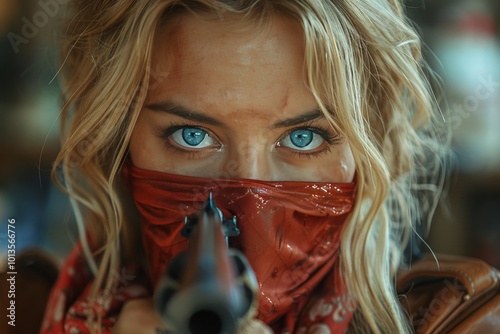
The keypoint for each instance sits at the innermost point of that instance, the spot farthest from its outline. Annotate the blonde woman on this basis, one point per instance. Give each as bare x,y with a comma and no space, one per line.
319,107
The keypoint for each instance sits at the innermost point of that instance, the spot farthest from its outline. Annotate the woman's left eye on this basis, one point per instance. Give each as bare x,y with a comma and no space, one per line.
302,140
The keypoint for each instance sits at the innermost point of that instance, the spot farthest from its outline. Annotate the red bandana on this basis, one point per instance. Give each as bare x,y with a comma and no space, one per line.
289,232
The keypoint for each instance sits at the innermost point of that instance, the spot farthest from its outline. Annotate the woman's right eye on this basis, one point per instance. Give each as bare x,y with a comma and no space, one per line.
192,138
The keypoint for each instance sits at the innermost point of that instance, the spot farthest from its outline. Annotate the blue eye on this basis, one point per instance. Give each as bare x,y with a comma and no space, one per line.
192,137
302,140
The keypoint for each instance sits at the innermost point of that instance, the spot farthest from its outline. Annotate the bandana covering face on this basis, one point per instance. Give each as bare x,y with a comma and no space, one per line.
289,232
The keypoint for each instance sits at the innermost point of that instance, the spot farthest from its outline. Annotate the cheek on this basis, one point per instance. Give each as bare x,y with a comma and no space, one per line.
348,165
340,166
336,166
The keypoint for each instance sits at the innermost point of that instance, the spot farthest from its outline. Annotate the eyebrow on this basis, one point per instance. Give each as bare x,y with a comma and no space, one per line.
178,110
300,119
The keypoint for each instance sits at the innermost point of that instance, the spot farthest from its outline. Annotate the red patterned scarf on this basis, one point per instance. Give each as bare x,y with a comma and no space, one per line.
289,232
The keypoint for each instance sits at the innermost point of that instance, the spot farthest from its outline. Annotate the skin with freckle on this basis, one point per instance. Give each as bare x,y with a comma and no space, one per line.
246,82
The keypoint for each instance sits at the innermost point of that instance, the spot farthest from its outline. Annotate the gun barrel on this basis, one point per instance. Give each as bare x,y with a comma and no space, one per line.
208,252
200,292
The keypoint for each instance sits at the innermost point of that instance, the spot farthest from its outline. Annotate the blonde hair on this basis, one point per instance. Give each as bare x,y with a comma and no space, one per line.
363,65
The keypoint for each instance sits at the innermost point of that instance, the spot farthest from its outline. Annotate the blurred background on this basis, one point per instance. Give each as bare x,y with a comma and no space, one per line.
29,128
463,46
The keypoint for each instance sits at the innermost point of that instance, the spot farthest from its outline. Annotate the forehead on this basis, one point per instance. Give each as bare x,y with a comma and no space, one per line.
231,59
197,36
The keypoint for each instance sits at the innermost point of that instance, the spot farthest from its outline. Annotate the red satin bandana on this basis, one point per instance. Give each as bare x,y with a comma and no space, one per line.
289,232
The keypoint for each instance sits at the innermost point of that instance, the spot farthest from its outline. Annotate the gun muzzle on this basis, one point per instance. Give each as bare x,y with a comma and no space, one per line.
209,288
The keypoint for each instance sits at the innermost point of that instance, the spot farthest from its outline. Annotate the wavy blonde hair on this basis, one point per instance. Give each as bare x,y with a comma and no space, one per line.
362,60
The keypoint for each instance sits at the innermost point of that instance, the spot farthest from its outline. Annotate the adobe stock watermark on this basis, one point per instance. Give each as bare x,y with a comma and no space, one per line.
11,272
485,90
31,26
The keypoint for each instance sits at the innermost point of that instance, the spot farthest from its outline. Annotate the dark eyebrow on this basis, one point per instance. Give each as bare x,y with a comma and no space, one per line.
178,110
300,119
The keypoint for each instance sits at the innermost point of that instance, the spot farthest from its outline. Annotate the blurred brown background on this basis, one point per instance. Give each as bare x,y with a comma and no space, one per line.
463,43
463,39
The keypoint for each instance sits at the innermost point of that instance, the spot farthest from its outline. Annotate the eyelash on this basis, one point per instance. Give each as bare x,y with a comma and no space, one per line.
327,135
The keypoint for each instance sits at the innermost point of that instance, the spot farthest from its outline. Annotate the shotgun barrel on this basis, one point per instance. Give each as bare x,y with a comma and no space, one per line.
209,288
